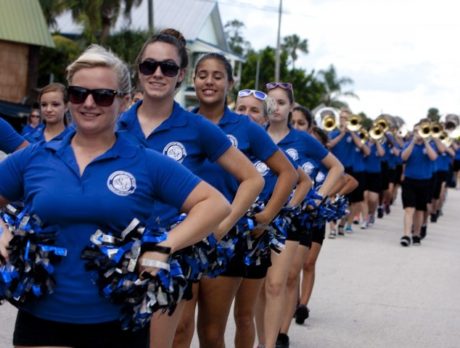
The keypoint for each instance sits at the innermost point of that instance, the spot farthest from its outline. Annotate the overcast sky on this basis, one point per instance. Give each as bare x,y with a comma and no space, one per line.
403,55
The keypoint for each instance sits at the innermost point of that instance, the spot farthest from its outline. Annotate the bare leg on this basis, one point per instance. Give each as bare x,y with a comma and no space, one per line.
244,311
214,303
275,285
308,279
163,327
260,314
186,328
408,220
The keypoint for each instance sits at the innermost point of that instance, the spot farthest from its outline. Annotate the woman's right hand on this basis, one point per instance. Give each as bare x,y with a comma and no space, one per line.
5,237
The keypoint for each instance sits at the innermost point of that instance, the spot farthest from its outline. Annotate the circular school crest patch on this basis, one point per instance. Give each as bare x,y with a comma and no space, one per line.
308,167
121,183
175,150
233,140
320,177
261,167
293,154
349,139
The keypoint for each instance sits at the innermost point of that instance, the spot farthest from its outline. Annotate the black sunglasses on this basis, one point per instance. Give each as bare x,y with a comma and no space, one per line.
168,68
101,96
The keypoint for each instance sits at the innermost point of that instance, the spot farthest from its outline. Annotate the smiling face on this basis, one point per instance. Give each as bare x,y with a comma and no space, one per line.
53,107
252,107
157,85
211,82
283,106
89,117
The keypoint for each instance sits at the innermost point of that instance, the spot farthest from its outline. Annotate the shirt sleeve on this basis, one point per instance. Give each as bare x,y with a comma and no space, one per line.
9,138
262,146
12,174
172,182
214,141
315,149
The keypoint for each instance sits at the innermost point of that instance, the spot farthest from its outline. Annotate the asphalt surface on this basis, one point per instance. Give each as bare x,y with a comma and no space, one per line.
371,292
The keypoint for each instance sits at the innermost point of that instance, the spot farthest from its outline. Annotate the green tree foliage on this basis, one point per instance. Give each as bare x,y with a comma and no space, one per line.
53,61
292,44
433,115
233,31
52,9
334,87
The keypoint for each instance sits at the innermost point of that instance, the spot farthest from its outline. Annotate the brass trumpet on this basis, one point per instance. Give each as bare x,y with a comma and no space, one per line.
327,118
376,133
436,129
445,139
383,123
424,130
363,135
354,123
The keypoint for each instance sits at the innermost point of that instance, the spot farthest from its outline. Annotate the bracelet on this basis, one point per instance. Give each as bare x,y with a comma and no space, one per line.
155,264
155,247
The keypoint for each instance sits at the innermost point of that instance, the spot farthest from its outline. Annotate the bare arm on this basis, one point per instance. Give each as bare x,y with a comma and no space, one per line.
431,153
408,150
287,177
5,234
333,142
251,184
304,184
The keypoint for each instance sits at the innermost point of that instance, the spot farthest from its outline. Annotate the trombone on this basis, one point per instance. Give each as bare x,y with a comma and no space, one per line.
436,129
363,134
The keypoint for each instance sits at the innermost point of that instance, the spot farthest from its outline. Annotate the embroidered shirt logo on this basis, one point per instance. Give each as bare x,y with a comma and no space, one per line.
121,183
233,140
261,167
308,167
320,177
176,151
293,154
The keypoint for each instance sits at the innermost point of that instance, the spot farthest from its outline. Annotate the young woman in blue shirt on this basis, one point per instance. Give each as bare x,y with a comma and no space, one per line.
92,178
213,79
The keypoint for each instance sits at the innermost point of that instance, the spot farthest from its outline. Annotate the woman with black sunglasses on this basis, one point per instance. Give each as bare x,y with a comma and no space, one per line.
161,124
298,145
33,121
94,178
53,107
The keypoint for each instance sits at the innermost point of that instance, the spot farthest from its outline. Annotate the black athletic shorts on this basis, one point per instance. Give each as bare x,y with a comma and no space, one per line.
357,195
441,177
33,331
384,176
374,182
456,165
416,193
399,171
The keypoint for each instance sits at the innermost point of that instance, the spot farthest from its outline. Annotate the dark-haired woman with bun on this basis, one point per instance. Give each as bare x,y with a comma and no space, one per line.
159,123
53,106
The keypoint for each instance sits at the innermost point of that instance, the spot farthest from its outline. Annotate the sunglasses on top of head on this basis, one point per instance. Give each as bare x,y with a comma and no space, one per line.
168,67
283,85
257,94
101,96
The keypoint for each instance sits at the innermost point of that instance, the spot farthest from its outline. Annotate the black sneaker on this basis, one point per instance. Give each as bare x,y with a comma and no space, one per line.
434,217
340,229
301,314
380,212
423,231
282,341
405,241
416,240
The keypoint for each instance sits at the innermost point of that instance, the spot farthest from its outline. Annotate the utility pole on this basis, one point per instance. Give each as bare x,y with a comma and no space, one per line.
150,15
277,57
257,72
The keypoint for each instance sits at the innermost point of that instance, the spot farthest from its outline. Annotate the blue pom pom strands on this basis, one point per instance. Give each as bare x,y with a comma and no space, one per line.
316,214
28,273
115,258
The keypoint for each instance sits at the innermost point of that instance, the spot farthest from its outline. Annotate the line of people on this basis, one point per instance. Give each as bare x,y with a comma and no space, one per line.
111,165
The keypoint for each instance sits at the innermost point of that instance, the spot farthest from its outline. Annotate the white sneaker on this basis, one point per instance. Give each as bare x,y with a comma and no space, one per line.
364,225
332,234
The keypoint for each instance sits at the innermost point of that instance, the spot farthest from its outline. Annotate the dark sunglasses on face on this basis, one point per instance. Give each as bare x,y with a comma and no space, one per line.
101,96
257,94
168,68
34,116
283,85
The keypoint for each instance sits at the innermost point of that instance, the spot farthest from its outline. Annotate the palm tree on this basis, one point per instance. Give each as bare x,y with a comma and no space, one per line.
333,87
52,9
292,44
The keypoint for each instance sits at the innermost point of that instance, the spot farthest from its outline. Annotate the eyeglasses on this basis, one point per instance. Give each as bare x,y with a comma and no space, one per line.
283,85
168,68
257,94
34,116
101,96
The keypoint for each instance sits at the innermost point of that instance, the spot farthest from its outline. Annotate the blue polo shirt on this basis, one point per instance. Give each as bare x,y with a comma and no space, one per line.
443,162
373,161
39,134
301,146
28,129
249,138
187,138
9,138
359,164
344,149
123,183
418,165
457,154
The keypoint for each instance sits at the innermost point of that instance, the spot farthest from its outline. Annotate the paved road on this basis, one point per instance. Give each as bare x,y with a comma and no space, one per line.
371,292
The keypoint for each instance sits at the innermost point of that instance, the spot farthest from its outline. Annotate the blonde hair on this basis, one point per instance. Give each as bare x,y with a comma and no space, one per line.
98,56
